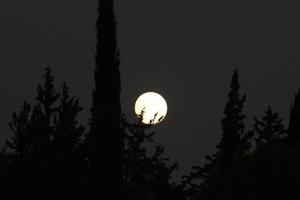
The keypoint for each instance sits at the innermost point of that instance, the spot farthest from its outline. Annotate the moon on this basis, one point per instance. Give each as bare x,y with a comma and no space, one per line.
151,107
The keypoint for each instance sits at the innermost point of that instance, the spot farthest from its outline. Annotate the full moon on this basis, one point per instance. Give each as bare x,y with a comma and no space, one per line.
152,107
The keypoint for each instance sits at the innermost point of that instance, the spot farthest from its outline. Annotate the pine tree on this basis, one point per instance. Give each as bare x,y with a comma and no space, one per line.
220,177
268,128
67,133
233,126
105,140
43,111
32,129
20,125
32,126
67,161
227,176
269,156
46,140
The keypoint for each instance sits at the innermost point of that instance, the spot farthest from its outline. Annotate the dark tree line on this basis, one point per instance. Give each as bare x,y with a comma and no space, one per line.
262,163
50,155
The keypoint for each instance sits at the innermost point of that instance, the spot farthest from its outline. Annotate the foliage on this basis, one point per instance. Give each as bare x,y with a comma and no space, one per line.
46,140
147,175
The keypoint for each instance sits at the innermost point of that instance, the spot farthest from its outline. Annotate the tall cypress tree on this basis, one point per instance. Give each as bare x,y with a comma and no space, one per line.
105,139
293,148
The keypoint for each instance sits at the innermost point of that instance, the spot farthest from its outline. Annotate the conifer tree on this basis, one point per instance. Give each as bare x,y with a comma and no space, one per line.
105,140
46,139
67,133
67,161
43,112
5,173
293,148
268,128
32,129
227,174
219,177
233,126
20,125
269,156
32,126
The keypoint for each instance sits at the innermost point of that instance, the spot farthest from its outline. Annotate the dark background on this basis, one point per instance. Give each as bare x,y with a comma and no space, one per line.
185,50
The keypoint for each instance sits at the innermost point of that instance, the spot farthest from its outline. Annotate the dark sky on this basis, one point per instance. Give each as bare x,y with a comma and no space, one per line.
184,49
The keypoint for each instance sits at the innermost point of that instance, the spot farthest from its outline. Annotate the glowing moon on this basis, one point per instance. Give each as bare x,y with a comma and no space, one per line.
152,106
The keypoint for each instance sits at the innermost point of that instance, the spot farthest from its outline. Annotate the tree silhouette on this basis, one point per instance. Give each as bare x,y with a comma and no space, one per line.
6,182
233,126
46,99
32,125
269,157
31,140
293,150
49,159
46,140
219,178
105,140
294,120
234,146
147,175
20,125
268,128
49,156
67,133
67,159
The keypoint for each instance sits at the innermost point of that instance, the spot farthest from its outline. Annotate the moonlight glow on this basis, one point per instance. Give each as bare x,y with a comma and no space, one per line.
152,106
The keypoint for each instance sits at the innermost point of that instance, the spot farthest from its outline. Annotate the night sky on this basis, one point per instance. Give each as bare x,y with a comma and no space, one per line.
184,50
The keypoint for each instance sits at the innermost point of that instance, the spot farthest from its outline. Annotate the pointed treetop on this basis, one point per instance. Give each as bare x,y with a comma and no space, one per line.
268,128
236,102
233,123
235,80
46,92
295,113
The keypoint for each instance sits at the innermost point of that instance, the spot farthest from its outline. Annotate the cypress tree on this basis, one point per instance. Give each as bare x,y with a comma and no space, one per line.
293,147
294,120
105,140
